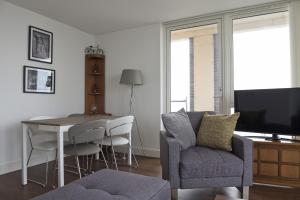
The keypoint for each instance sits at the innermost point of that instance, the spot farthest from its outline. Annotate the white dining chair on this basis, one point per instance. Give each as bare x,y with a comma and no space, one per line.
116,132
81,137
41,141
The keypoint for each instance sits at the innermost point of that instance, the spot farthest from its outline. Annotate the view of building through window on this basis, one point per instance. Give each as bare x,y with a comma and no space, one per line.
195,69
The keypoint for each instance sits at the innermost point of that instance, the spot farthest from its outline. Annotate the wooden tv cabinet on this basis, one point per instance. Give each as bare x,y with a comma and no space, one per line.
276,163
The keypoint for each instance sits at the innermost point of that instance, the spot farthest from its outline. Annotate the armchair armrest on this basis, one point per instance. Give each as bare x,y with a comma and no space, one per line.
243,148
169,159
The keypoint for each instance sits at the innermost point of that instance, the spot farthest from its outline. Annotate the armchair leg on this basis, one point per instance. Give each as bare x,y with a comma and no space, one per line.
174,194
245,192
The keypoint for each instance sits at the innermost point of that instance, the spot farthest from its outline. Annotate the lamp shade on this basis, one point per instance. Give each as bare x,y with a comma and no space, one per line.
131,77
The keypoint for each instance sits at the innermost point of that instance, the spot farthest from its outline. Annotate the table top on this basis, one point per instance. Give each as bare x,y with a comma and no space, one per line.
222,197
66,121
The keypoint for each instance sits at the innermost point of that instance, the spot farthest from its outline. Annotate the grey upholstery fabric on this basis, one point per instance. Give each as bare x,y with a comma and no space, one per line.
243,147
210,182
179,126
112,185
169,159
171,156
196,118
204,162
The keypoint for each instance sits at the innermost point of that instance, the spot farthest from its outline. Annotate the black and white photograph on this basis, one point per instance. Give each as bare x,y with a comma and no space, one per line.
38,80
40,45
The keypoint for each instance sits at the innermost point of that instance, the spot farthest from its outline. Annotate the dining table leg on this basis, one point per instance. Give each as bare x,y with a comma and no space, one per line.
24,154
60,156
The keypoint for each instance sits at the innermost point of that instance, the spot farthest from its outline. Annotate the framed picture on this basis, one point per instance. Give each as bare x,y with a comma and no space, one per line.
38,80
40,46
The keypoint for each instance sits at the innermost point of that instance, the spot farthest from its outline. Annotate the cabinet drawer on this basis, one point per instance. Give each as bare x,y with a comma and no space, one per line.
267,169
289,171
255,169
255,154
268,155
290,156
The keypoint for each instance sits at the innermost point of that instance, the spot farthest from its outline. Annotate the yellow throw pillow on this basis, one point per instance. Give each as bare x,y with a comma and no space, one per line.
216,131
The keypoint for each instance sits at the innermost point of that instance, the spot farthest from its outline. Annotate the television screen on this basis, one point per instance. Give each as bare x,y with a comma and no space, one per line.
273,111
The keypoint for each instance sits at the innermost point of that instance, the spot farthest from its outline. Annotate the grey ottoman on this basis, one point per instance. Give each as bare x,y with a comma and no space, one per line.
112,185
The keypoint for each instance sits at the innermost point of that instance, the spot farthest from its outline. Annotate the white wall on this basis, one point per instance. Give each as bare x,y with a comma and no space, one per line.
137,48
68,61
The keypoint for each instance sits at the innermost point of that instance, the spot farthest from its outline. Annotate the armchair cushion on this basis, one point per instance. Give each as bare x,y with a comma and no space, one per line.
216,131
179,126
204,162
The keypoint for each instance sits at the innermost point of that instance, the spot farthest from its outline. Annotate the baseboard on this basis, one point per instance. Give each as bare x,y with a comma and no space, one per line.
16,165
149,152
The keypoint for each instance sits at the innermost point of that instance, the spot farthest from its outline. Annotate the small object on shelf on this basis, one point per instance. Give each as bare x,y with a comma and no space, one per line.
95,89
96,69
99,51
88,50
94,50
94,108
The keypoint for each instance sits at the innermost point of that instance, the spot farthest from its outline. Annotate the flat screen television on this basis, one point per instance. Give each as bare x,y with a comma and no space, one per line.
271,111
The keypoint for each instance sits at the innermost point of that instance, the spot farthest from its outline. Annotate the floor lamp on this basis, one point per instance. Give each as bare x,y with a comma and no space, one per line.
133,77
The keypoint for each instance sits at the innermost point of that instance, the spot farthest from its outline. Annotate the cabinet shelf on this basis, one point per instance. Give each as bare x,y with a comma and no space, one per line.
94,93
96,74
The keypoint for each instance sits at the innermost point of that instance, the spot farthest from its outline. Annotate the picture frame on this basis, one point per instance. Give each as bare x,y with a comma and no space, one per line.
40,45
38,80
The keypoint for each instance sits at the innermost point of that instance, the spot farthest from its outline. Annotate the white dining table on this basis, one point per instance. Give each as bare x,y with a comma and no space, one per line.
59,126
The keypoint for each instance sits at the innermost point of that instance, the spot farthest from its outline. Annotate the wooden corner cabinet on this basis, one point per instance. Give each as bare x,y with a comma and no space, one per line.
94,84
276,163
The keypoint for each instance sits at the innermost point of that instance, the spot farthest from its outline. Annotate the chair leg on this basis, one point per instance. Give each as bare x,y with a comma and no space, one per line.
78,166
29,156
47,169
174,194
104,159
54,170
114,156
87,163
101,150
245,192
46,178
91,163
133,155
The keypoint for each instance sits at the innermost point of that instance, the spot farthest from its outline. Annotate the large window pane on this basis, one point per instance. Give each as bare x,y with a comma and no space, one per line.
195,69
262,52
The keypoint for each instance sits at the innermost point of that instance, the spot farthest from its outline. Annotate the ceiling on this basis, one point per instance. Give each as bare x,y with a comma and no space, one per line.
103,16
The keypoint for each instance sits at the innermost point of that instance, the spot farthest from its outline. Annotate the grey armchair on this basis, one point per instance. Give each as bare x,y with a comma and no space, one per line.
199,167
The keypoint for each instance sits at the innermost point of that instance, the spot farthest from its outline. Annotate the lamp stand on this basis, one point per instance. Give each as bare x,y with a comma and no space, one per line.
132,112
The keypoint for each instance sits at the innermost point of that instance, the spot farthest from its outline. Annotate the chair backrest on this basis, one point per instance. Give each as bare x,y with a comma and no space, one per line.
37,136
34,131
87,132
196,118
120,126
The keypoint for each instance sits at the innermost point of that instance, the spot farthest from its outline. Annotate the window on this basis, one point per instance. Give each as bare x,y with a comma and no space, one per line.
211,56
262,52
195,69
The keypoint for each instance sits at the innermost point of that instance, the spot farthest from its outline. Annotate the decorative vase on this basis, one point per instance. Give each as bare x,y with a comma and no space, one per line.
95,70
88,50
94,108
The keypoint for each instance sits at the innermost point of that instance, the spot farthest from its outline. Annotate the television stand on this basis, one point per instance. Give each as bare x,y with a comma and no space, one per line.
276,163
